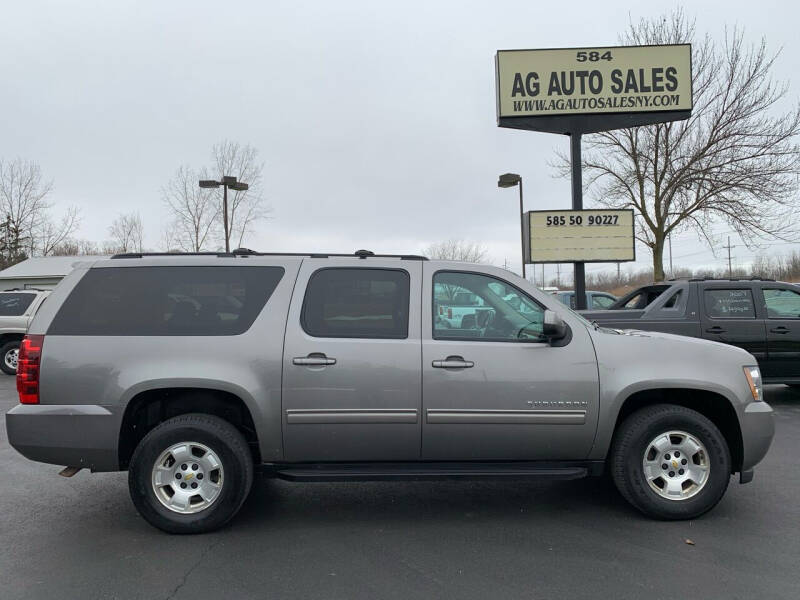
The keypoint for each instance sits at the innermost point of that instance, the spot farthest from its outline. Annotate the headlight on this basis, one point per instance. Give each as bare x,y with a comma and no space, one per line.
754,379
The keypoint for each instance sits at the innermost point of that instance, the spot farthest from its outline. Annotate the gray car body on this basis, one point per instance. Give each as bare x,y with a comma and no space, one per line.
382,401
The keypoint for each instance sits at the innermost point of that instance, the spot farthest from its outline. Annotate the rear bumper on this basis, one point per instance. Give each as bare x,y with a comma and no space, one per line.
758,428
79,435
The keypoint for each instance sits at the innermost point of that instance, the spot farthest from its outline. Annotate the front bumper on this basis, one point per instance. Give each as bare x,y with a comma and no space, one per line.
77,435
758,428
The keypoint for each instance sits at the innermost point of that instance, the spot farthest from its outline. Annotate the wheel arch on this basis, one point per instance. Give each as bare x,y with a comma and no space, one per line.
713,405
147,408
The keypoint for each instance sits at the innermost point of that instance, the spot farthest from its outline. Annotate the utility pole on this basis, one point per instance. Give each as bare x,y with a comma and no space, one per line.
730,268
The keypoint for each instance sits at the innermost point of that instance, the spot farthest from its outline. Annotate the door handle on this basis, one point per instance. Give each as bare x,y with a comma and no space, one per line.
315,359
780,329
453,362
715,329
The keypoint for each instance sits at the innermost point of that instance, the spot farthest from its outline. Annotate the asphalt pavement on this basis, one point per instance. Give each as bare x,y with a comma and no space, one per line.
81,538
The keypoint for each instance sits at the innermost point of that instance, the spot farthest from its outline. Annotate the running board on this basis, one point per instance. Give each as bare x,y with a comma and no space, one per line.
430,471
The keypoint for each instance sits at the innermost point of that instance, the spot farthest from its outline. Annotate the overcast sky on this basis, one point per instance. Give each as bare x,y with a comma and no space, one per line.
375,121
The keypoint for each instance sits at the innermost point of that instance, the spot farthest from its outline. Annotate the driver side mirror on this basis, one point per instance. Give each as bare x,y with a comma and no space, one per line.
553,326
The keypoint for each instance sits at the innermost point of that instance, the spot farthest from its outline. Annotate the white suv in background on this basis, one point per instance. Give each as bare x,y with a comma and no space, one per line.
17,308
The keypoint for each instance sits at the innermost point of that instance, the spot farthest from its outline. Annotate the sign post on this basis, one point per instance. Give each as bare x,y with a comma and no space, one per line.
574,91
579,276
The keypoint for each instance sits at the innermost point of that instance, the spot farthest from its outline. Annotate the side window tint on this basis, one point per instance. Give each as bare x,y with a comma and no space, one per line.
673,300
500,312
602,301
635,301
730,304
13,304
782,304
168,301
359,303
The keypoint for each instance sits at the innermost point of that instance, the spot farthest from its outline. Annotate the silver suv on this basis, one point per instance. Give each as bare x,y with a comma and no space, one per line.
190,371
17,308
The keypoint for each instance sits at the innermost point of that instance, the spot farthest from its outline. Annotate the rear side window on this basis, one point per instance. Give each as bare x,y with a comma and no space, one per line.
357,303
168,301
14,304
730,304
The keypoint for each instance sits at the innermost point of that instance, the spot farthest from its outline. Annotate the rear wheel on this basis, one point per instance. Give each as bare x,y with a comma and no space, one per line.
9,355
670,462
190,474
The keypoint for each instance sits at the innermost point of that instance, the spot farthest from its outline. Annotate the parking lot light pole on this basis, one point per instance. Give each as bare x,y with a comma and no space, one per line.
510,180
227,182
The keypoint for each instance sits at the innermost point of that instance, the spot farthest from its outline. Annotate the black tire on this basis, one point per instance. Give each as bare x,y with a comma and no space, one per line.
627,453
217,435
9,347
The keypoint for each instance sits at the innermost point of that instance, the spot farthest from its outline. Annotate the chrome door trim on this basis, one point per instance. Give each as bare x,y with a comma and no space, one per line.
490,416
351,415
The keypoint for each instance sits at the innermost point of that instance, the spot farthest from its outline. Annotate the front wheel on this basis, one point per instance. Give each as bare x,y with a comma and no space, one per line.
190,474
10,354
670,462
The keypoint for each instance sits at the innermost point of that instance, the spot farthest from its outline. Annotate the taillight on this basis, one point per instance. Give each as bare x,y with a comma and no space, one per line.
30,355
449,313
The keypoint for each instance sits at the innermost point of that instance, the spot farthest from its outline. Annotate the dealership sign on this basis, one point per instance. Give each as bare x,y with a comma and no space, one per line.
560,236
587,81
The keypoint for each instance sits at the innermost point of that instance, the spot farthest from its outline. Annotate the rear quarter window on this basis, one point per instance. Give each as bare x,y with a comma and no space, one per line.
166,301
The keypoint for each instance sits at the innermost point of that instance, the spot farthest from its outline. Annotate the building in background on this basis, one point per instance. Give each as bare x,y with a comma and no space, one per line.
41,273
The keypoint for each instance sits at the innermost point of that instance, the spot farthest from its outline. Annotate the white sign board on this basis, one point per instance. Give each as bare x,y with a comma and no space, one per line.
574,81
561,236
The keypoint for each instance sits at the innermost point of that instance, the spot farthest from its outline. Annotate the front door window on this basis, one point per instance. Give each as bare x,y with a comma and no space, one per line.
473,307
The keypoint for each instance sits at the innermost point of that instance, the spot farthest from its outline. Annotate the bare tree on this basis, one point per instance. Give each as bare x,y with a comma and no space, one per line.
195,211
73,247
244,207
50,235
734,160
457,250
27,228
126,233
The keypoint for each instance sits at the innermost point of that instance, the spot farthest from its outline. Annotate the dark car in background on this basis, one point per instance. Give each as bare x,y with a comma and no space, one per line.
594,300
761,316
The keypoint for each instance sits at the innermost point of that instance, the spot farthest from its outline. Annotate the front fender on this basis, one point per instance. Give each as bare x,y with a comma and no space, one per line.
638,361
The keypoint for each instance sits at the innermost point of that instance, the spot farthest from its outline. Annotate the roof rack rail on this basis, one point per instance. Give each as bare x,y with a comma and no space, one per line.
245,252
146,254
695,279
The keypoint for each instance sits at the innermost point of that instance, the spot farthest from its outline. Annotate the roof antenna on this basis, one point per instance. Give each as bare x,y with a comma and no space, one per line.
364,253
